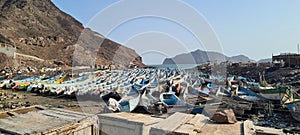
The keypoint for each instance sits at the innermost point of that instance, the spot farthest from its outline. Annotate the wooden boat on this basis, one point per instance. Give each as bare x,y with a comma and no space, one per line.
186,102
171,99
147,99
7,84
60,90
62,78
264,89
71,91
130,101
291,101
262,80
146,103
242,93
273,93
21,87
126,103
294,108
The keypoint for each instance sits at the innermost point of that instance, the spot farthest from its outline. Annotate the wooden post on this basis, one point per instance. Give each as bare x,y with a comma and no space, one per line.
270,108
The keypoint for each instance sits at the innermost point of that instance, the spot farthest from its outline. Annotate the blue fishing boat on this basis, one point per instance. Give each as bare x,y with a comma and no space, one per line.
127,103
130,101
172,100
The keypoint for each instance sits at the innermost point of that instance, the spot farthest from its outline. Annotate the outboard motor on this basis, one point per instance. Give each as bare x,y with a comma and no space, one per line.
113,95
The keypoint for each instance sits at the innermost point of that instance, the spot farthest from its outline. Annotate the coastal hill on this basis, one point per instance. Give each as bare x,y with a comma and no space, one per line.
202,57
265,60
38,28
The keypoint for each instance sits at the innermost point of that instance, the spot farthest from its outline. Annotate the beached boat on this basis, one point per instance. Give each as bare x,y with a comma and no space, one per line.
125,103
63,78
273,93
294,108
263,88
7,84
248,95
262,80
171,99
242,93
291,101
146,102
21,86
71,91
130,101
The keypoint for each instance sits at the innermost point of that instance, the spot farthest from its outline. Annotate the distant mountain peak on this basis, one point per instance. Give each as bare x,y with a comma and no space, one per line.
201,57
267,60
240,58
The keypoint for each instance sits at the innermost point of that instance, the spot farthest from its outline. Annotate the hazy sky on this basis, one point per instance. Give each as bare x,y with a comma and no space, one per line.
157,29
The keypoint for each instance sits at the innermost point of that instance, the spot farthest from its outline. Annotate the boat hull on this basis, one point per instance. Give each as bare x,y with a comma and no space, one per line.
294,108
273,94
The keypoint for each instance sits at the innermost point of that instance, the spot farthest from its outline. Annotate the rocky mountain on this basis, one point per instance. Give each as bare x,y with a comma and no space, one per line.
265,60
201,57
239,58
4,59
38,28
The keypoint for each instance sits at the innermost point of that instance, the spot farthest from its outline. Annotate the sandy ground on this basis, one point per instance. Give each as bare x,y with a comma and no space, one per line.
20,99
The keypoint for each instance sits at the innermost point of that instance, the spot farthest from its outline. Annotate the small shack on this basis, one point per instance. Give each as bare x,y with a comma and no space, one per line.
39,120
289,59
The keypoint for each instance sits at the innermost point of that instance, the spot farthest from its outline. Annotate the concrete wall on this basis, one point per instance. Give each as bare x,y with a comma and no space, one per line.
126,124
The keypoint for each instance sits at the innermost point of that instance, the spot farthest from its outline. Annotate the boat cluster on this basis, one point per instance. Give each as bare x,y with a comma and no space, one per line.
159,90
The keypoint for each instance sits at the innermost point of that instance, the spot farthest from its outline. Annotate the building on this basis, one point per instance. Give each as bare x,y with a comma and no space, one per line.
41,120
287,59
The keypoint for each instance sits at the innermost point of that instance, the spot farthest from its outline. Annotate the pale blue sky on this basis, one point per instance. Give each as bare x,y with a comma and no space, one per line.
255,28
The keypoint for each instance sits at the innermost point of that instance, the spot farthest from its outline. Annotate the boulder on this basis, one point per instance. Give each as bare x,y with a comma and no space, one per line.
224,116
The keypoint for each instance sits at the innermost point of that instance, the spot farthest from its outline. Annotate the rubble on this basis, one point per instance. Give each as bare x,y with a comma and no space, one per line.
15,100
251,129
224,116
12,101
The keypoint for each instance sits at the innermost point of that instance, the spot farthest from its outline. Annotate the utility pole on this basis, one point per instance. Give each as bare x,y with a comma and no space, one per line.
297,60
298,48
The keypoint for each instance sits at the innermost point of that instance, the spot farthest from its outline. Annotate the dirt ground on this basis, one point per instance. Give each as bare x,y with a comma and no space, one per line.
11,99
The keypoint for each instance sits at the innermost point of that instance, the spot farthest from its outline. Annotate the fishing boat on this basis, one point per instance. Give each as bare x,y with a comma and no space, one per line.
273,93
267,91
291,101
262,80
7,84
71,91
242,93
130,101
147,99
171,99
126,103
249,95
294,108
63,78
21,86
